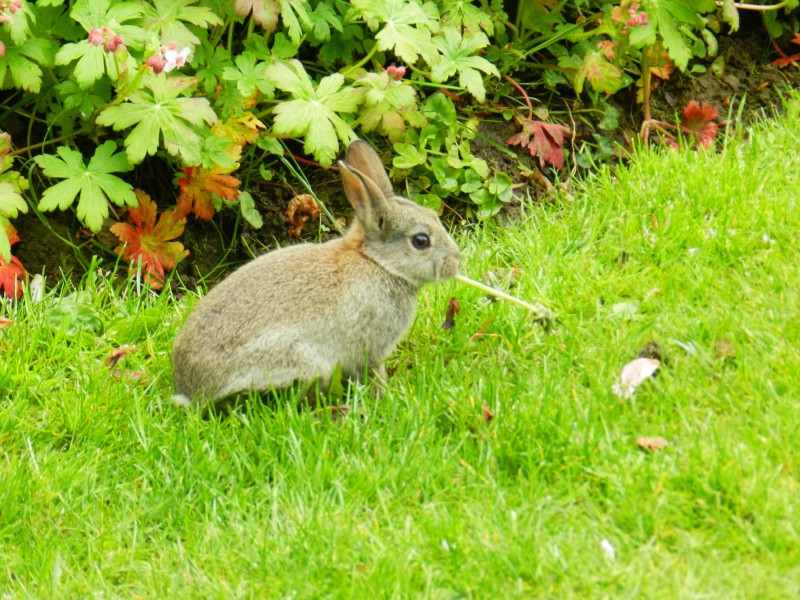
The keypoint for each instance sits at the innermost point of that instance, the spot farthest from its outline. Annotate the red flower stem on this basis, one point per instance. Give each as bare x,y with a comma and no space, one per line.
524,95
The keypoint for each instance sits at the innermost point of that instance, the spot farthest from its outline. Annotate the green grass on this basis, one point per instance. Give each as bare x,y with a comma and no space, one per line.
108,490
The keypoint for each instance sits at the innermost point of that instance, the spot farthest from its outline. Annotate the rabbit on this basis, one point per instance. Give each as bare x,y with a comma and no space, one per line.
296,313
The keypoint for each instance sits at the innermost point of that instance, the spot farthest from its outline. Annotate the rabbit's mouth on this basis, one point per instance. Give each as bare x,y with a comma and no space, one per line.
449,268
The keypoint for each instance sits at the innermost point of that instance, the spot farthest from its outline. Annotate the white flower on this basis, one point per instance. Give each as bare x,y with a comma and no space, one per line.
175,59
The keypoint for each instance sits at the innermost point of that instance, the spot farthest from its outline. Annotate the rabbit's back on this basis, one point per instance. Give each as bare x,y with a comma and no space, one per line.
292,314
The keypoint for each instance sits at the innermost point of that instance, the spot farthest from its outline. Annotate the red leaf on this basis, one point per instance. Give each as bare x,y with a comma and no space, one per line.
147,242
697,121
785,61
12,276
547,140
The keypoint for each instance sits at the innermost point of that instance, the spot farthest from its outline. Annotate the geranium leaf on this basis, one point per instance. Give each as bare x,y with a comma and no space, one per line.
313,113
406,28
146,243
94,183
457,56
157,114
545,140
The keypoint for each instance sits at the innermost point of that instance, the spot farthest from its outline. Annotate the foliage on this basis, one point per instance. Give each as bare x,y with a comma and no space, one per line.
109,491
146,243
217,91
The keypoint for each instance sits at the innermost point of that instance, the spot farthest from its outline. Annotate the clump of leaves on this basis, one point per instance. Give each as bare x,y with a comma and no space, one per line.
146,243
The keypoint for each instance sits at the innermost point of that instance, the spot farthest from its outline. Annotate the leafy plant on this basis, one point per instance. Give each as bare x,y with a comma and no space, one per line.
218,92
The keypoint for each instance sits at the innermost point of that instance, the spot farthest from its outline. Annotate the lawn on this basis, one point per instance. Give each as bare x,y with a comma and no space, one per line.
107,490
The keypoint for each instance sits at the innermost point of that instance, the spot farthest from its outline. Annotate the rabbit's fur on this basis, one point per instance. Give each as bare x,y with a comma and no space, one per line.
296,313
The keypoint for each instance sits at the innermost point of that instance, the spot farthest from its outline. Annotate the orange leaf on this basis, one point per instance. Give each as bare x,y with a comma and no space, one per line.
147,243
198,186
12,275
13,238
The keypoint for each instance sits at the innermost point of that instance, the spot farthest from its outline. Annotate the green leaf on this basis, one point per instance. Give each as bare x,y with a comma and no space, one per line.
249,76
408,156
672,19
295,18
168,19
74,314
91,61
457,57
94,182
465,15
389,104
314,112
123,18
20,62
406,30
248,207
160,114
730,14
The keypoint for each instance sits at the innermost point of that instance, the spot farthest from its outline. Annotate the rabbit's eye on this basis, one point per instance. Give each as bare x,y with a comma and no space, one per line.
420,241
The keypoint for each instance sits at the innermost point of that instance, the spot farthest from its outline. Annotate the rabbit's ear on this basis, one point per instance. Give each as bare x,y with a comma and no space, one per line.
365,195
363,158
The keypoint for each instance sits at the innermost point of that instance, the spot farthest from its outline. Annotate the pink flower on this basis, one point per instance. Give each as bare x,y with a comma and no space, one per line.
396,73
95,37
157,63
106,37
2,49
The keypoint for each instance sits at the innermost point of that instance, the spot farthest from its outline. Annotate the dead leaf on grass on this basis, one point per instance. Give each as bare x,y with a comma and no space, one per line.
488,415
300,210
5,322
651,444
633,375
117,354
453,308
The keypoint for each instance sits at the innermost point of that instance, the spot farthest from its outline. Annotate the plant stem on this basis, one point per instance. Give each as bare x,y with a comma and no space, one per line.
362,62
524,95
46,142
540,311
758,7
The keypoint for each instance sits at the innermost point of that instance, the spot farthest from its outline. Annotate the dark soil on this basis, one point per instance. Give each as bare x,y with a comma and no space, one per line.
747,86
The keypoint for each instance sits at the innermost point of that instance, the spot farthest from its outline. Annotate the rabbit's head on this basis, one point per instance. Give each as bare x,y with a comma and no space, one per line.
406,239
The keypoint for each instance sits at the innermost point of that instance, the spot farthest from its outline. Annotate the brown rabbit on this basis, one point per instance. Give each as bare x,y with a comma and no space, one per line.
296,313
